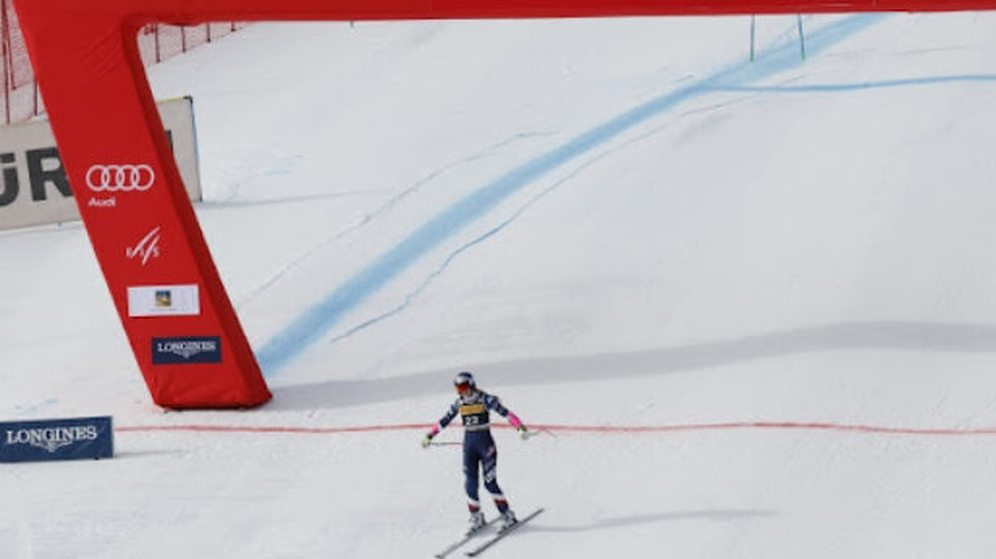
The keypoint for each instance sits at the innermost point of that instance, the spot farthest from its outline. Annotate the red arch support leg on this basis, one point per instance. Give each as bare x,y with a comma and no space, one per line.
180,323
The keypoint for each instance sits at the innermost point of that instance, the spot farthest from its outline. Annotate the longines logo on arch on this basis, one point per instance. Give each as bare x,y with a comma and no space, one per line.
112,179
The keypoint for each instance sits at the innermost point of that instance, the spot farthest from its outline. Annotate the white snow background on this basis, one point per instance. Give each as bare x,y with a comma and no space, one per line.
750,308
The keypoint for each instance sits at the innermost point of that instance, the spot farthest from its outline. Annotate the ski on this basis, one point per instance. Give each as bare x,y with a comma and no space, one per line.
501,534
463,541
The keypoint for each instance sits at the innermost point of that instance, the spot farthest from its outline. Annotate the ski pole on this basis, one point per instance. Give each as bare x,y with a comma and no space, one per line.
533,432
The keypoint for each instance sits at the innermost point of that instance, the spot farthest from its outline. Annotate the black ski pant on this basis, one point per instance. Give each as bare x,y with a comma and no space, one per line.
480,456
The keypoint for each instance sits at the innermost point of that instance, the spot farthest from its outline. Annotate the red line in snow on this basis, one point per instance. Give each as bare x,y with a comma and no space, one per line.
771,425
589,429
200,428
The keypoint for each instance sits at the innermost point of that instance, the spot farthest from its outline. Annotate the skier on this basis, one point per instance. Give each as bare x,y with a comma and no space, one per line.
479,450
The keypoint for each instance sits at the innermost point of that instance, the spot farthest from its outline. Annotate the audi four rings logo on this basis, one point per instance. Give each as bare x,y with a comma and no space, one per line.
120,178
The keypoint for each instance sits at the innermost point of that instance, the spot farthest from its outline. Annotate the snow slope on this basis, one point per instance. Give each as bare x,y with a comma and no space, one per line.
748,306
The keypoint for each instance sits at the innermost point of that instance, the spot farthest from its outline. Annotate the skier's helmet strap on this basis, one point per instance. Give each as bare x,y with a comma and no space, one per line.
464,383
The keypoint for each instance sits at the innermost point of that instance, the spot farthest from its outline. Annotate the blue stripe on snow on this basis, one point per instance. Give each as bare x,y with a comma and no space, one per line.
310,326
859,86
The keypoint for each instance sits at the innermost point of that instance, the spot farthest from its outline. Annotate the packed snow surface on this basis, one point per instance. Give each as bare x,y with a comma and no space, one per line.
747,307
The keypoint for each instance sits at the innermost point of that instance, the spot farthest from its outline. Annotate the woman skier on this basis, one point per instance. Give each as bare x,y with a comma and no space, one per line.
479,450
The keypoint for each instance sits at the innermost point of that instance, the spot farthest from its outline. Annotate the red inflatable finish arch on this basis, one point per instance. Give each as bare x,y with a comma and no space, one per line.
181,325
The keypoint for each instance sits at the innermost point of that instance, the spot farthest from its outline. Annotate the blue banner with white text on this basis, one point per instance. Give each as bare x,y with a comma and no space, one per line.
56,439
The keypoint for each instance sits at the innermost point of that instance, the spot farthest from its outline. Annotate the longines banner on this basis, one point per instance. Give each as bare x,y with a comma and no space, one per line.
33,185
56,439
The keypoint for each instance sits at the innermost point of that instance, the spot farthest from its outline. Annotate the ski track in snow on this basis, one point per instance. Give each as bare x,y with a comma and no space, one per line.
314,322
860,86
411,296
414,294
371,216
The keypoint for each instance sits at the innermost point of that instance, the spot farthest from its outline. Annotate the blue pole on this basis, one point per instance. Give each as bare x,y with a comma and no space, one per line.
752,35
802,38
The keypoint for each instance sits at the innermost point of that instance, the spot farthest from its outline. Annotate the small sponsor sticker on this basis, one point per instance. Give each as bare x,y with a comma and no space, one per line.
186,350
164,300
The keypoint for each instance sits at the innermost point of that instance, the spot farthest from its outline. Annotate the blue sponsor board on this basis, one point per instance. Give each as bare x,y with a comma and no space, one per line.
186,350
56,439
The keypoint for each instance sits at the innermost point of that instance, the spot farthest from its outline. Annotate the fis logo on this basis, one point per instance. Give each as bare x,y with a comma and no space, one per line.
147,248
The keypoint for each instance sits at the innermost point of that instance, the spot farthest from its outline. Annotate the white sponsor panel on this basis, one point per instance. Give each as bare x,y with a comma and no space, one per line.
34,189
163,300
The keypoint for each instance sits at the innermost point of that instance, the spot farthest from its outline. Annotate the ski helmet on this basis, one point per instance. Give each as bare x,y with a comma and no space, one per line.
464,382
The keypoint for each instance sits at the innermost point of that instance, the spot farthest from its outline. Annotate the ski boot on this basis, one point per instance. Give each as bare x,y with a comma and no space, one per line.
476,522
508,520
